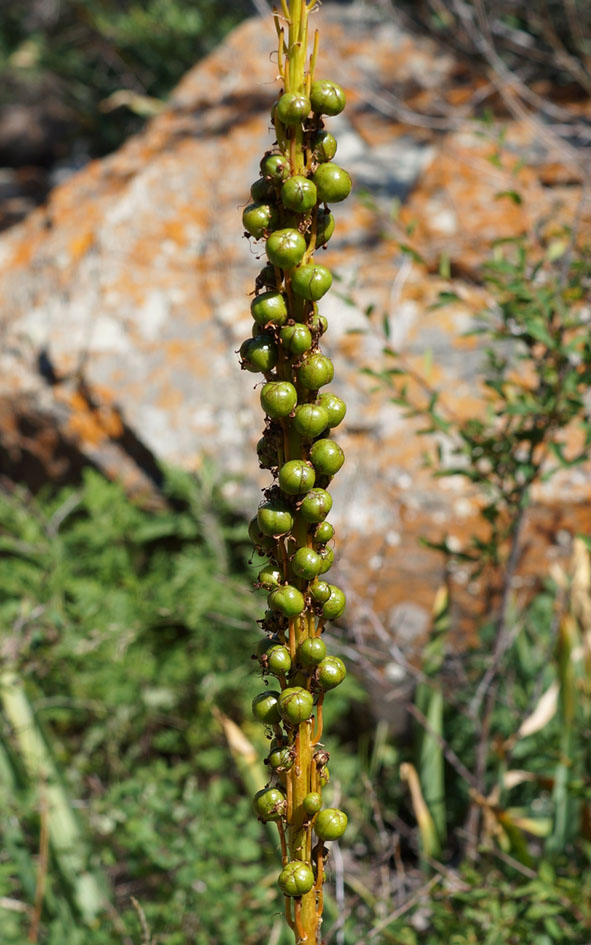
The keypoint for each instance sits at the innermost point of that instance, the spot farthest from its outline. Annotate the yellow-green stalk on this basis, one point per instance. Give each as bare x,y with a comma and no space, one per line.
289,212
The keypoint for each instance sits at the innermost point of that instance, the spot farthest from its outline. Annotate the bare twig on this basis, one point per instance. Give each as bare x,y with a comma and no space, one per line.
445,747
420,894
146,934
42,863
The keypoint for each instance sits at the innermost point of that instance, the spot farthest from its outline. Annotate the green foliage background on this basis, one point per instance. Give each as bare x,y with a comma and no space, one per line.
130,625
83,51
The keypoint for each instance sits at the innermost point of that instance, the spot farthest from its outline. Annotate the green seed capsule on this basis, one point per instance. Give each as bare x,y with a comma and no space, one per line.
311,282
327,98
286,248
257,218
327,557
310,420
312,803
259,539
296,705
259,354
311,652
330,672
315,371
270,577
325,226
269,308
320,592
298,194
324,146
278,399
292,108
278,660
296,339
335,407
332,183
280,759
316,505
335,604
318,323
295,879
330,824
296,477
262,190
306,563
266,453
274,518
327,457
267,277
270,804
275,166
265,708
323,533
287,600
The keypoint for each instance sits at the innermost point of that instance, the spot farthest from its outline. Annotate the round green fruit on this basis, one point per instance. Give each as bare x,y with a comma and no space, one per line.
257,218
324,146
325,226
270,804
296,477
327,98
318,323
310,420
327,557
332,183
320,592
298,194
315,371
311,652
335,407
278,660
295,879
287,600
274,519
259,354
312,803
311,282
265,707
260,540
266,276
266,453
306,563
262,190
278,399
330,824
327,457
280,759
269,577
323,533
286,248
296,338
296,705
316,505
269,308
292,108
275,167
335,604
330,672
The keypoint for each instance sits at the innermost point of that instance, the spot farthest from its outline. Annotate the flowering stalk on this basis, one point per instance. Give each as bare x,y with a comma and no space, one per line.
289,211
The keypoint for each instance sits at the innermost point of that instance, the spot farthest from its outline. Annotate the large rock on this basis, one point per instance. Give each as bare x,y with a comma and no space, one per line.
124,299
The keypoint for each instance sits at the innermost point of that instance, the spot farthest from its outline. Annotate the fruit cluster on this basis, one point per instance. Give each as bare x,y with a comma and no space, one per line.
289,212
